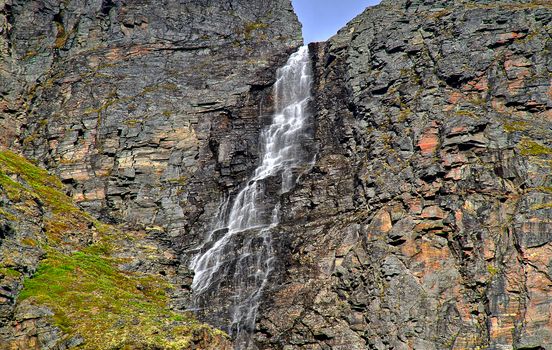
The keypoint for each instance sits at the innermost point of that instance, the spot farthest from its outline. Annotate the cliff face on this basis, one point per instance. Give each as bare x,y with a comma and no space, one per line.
425,222
148,112
142,106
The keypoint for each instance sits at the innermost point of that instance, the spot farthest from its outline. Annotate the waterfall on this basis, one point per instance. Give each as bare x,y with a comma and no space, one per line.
238,255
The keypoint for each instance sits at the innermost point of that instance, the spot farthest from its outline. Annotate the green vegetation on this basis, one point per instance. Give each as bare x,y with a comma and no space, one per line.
541,206
516,126
41,184
6,271
544,189
493,270
89,296
108,308
531,148
404,113
466,113
25,183
251,27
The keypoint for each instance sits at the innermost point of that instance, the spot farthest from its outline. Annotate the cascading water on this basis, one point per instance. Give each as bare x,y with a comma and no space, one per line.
238,255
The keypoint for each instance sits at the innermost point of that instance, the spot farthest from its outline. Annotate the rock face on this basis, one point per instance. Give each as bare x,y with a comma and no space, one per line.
425,222
149,112
147,109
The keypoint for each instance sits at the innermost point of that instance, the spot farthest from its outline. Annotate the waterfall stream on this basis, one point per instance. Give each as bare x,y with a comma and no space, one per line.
238,254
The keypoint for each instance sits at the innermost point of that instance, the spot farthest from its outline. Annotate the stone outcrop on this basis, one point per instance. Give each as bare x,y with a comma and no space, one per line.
149,113
147,109
425,222
67,280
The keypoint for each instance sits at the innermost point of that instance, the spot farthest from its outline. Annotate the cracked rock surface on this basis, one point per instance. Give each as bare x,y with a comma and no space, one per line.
425,222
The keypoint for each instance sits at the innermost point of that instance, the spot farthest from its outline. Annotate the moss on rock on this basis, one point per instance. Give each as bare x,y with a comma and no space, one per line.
110,309
531,148
90,297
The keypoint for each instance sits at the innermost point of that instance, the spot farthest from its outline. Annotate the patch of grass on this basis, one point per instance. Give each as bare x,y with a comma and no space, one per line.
9,272
108,308
43,185
27,184
531,148
492,270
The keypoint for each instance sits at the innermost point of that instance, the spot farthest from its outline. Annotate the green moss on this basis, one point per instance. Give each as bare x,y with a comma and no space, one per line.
404,113
29,242
108,308
182,180
493,271
46,186
516,126
544,189
465,113
541,206
25,183
251,27
9,272
9,216
531,148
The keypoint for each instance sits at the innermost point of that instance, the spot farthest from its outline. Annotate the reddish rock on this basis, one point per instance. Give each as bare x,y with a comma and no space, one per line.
433,212
479,84
455,97
450,159
429,141
506,37
382,222
516,62
519,82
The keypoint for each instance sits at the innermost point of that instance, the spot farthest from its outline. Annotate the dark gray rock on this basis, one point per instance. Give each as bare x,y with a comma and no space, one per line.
426,125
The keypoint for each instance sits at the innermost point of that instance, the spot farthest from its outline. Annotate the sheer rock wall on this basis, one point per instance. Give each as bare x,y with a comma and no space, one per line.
149,113
426,221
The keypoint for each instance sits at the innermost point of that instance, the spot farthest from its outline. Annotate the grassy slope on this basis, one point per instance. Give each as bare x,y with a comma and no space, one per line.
80,283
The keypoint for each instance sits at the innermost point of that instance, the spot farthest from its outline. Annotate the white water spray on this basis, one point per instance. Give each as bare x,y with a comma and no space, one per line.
238,254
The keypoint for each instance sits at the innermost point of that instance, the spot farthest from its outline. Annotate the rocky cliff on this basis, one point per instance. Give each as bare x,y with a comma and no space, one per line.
148,113
425,221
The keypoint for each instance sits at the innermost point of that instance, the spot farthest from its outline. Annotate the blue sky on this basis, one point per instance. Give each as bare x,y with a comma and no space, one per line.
323,18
